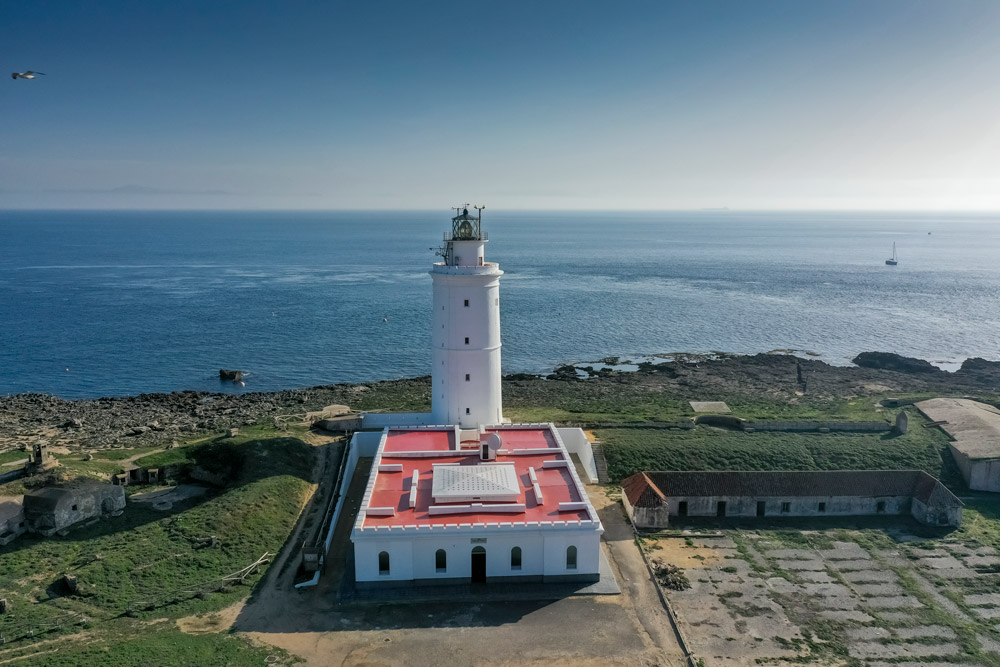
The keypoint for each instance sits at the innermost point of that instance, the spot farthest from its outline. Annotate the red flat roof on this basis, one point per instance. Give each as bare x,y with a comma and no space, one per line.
417,441
392,488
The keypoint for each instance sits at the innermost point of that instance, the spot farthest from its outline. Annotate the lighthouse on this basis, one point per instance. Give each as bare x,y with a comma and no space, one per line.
465,334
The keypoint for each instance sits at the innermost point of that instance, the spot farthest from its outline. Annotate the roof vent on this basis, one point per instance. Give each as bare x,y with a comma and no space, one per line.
489,446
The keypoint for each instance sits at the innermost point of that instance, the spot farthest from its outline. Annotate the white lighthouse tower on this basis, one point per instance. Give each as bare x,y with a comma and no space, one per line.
465,334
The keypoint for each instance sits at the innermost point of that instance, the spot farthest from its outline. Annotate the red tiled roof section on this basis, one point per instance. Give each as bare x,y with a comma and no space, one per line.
641,492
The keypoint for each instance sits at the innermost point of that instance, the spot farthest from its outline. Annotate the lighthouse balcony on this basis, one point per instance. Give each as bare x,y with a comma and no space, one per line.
488,268
467,235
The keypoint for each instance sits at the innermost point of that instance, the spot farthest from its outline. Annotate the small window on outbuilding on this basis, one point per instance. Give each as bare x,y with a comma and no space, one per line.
466,340
468,411
383,563
466,303
821,507
880,506
786,507
441,560
570,557
515,558
467,377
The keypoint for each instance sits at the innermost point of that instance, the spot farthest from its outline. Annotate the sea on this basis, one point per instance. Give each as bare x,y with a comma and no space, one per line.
111,303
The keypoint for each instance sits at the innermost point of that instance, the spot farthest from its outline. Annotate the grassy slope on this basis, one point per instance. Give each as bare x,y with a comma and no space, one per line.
159,646
622,415
144,552
629,450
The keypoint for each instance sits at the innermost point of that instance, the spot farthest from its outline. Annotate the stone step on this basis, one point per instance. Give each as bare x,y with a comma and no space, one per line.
600,463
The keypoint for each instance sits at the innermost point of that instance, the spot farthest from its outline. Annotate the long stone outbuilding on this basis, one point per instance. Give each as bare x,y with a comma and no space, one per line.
652,498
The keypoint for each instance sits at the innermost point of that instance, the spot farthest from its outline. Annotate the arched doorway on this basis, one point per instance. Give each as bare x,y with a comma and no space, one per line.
479,564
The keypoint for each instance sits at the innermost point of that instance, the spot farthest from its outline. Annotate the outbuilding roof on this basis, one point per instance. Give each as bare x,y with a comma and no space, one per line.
974,426
649,489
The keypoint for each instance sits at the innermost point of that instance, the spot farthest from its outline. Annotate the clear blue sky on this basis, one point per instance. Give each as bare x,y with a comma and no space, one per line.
566,105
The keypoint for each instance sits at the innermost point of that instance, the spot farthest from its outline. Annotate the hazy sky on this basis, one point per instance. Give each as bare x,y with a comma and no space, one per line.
808,104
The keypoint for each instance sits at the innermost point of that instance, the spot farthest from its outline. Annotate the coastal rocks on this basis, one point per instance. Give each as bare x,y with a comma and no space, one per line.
230,376
982,371
894,362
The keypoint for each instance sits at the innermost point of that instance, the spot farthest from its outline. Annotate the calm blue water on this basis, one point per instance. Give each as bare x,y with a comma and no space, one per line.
135,302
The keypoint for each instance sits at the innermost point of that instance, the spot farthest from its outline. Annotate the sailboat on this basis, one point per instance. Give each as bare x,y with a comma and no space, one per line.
892,261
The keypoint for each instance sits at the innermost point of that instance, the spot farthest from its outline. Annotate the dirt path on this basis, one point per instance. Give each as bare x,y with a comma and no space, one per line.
633,575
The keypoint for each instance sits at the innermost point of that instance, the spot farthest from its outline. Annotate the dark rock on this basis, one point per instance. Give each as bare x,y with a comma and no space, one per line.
894,362
230,376
73,422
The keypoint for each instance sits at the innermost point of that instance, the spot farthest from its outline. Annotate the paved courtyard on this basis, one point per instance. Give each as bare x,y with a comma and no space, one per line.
868,596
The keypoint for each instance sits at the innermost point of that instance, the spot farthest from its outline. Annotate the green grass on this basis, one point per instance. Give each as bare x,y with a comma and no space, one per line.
144,552
121,454
981,522
628,401
629,450
159,646
12,455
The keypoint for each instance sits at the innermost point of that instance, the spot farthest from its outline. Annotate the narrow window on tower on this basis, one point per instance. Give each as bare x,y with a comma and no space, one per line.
467,411
466,340
467,377
466,303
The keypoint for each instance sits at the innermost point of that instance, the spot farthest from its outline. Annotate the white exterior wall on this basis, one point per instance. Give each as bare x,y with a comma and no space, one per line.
985,475
576,442
451,394
798,506
543,554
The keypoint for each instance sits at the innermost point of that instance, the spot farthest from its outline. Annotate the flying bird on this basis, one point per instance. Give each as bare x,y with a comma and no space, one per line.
25,75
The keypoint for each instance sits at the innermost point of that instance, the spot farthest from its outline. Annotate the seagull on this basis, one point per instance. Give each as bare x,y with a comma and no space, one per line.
25,75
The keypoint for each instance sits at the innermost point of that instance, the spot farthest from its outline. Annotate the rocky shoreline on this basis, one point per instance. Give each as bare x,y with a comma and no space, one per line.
151,419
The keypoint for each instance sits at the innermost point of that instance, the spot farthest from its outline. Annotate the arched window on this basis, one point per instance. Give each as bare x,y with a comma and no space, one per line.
515,558
570,558
383,563
441,560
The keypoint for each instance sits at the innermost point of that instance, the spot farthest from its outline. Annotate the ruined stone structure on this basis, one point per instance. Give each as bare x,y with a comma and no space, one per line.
651,498
56,508
12,521
40,460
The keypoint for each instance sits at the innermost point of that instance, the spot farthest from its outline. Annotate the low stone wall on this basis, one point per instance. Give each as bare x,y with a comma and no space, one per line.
727,421
809,426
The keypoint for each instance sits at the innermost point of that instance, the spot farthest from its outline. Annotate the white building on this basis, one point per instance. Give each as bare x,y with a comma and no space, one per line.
455,494
445,505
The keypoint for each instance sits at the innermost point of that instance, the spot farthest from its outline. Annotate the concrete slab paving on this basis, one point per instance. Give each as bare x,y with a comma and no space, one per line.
710,406
894,602
844,616
881,589
853,565
878,650
981,561
791,554
870,576
924,631
793,565
982,599
869,633
896,616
